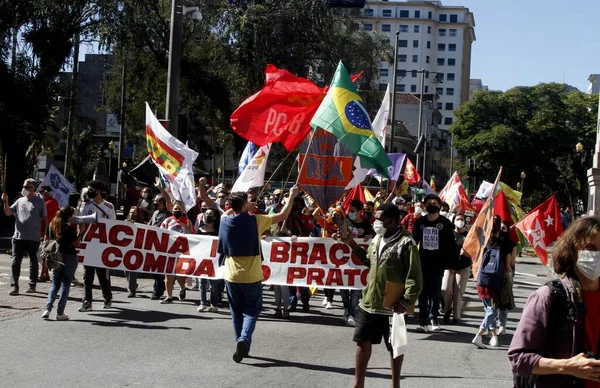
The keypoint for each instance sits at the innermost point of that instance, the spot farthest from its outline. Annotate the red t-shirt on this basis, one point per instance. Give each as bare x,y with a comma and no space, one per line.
592,326
51,208
409,222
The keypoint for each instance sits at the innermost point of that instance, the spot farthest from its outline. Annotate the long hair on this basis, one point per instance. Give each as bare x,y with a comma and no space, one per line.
60,221
575,238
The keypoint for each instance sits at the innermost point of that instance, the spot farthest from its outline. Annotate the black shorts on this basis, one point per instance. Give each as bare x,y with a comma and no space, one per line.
372,328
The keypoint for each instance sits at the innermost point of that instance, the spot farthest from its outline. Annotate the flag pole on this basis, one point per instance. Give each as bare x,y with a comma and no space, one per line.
312,135
273,174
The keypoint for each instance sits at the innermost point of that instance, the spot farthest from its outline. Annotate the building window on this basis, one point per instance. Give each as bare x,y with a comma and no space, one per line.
401,88
450,76
427,59
441,61
440,76
386,27
384,72
403,28
368,27
415,58
439,106
368,12
426,89
440,120
442,32
451,47
413,73
402,58
386,13
401,73
417,14
427,75
439,91
415,44
449,106
417,29
429,29
355,26
383,87
453,32
450,91
441,47
453,18
428,44
443,18
404,14
413,88
403,43
448,121
430,15
451,62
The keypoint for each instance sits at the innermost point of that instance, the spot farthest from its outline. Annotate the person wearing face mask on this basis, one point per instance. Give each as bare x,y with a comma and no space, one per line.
178,222
456,277
219,204
556,341
145,205
408,222
392,256
437,248
504,299
30,225
160,215
370,211
445,210
210,227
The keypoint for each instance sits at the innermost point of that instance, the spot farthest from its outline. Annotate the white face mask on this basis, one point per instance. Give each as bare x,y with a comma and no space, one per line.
588,264
25,192
424,214
444,213
459,223
378,227
352,215
418,210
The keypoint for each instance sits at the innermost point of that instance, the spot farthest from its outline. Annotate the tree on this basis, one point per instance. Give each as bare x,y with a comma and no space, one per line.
530,129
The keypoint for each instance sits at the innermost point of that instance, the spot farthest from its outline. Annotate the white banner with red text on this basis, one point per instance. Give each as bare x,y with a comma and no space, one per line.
308,261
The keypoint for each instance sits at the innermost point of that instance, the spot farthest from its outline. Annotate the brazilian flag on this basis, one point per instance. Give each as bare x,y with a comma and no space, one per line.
343,114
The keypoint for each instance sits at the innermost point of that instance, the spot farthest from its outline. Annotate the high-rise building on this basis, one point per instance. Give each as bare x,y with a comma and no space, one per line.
433,37
594,86
476,85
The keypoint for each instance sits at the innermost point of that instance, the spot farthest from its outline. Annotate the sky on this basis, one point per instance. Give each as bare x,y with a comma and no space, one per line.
525,42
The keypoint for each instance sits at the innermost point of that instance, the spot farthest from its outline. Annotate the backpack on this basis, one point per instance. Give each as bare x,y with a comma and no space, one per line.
50,252
491,273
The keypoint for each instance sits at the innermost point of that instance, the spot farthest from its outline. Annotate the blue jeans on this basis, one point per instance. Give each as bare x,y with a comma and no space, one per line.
489,321
61,282
216,292
245,303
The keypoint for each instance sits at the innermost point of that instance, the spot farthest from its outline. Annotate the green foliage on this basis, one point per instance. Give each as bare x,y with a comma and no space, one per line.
530,129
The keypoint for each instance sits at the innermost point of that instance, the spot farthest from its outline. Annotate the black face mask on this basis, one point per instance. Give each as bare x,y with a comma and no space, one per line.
432,209
177,214
210,219
504,236
91,194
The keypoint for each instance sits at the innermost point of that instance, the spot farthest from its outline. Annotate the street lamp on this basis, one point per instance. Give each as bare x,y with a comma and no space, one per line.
111,148
523,176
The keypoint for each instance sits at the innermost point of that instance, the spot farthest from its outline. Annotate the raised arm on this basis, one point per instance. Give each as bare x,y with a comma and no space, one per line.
165,195
7,210
285,212
202,194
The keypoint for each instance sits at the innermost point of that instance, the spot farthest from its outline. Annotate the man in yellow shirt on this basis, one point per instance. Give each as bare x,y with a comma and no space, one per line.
239,242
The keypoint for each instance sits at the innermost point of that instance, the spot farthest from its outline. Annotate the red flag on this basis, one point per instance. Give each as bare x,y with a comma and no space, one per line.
542,226
280,112
411,175
502,210
356,193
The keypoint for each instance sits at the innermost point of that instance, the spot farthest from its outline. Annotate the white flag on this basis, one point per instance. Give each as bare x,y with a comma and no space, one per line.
380,121
61,187
254,173
359,175
180,189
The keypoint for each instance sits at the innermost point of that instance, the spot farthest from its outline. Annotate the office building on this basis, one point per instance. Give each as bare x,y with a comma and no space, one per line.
594,84
476,85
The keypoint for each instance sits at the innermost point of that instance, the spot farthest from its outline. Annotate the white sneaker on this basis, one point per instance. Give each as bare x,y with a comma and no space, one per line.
63,317
478,341
46,314
212,309
324,303
422,329
494,341
329,306
202,308
501,330
435,326
351,322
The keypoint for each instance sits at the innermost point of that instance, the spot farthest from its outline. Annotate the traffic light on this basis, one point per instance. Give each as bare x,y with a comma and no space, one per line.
346,3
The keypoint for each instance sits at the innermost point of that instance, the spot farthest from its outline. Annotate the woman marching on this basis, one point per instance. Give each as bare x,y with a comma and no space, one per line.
66,235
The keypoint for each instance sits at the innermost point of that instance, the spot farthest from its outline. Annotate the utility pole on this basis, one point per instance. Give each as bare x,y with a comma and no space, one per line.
594,175
174,72
394,80
122,132
72,96
420,128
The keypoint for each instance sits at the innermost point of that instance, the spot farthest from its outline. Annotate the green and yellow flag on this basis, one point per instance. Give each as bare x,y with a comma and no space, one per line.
343,114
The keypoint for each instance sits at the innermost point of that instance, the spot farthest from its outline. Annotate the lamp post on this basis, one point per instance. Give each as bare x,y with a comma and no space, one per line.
523,176
111,149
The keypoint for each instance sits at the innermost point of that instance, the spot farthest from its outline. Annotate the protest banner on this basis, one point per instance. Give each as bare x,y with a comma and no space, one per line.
307,261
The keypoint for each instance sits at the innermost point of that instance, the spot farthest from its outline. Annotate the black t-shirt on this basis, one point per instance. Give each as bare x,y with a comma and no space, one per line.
363,228
158,217
65,242
461,262
437,246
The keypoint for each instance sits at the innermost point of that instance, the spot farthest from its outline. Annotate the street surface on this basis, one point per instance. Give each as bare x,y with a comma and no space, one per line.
141,343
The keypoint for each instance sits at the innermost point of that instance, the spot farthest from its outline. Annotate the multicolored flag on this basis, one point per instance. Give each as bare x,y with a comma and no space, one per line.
247,156
179,189
432,184
411,175
254,173
542,226
343,114
356,193
455,195
169,154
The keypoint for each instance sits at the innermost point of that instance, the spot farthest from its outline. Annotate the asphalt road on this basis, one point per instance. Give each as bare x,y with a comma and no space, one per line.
141,343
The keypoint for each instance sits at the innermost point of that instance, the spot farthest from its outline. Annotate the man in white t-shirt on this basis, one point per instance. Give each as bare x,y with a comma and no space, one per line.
104,209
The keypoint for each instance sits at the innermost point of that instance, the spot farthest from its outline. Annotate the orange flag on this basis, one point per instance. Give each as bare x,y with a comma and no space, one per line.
411,175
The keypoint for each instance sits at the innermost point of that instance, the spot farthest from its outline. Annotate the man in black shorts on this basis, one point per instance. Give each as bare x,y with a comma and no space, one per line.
392,256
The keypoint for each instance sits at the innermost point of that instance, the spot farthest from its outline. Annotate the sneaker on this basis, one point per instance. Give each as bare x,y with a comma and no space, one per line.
86,306
46,314
63,317
241,351
329,306
478,341
202,308
155,297
131,294
167,300
286,315
30,290
14,291
213,309
76,283
494,341
422,328
351,322
278,314
435,325
324,303
501,330
182,294
107,304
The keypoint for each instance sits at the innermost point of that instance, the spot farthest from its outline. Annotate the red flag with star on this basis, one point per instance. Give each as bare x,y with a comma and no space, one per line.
542,226
411,175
